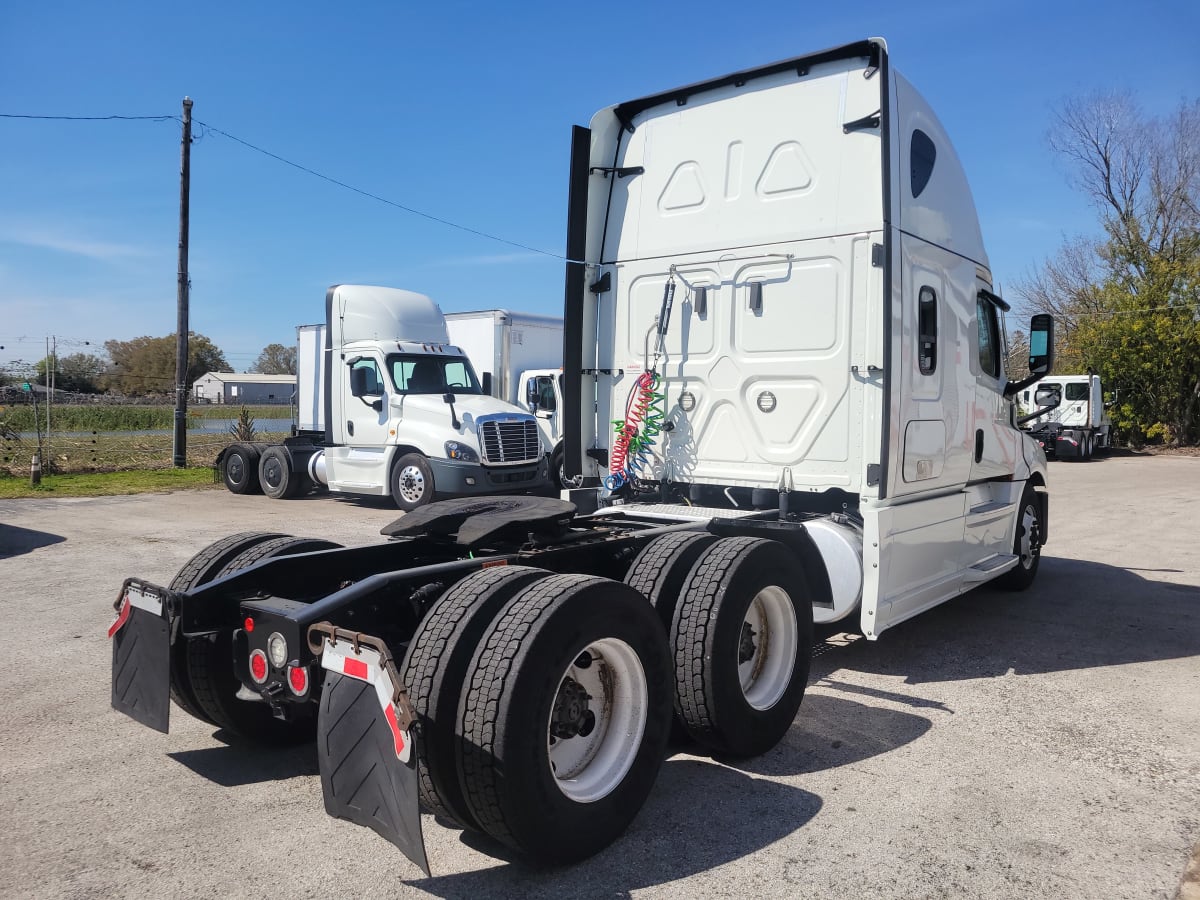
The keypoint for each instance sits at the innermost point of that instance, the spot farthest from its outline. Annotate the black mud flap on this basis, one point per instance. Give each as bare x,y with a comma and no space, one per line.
141,640
363,776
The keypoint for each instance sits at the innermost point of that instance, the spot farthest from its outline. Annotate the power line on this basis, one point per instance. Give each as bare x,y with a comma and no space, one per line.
91,118
206,127
401,206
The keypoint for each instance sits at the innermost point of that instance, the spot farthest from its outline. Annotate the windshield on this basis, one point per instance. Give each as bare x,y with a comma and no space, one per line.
433,375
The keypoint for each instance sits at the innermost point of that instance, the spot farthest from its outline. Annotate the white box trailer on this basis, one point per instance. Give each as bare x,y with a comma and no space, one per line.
782,356
519,358
311,359
504,345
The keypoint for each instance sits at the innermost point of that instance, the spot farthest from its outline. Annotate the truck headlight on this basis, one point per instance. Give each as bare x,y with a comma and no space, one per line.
461,452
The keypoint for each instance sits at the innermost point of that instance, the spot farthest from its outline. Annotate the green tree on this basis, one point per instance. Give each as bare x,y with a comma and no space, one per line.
146,365
275,359
78,372
1128,301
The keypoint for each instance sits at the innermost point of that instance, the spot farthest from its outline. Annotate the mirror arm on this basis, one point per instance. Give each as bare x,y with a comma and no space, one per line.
1015,387
1021,420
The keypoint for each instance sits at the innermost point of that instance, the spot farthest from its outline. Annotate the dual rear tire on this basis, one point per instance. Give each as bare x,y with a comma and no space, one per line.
544,704
203,681
545,701
740,630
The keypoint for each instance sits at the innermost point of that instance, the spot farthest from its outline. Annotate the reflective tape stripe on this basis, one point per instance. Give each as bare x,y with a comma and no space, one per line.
122,618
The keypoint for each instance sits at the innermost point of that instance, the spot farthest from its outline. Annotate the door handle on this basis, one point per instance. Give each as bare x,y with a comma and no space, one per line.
350,428
978,445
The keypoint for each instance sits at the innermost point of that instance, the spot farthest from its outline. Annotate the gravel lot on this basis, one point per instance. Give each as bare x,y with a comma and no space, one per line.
1044,744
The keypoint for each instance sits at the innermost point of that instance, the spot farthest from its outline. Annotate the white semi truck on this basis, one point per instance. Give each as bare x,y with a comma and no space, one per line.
1076,425
387,405
782,356
519,359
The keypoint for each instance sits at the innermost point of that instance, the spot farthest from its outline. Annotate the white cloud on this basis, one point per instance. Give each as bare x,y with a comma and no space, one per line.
62,241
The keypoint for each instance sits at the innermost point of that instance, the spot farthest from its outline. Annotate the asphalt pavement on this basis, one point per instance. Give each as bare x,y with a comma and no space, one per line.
1043,744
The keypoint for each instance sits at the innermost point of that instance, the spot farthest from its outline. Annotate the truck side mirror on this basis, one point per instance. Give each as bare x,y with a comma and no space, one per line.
531,393
1047,396
1041,344
358,382
486,378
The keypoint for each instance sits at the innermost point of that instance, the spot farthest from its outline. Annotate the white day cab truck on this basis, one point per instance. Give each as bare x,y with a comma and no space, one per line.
387,405
1070,420
785,381
519,359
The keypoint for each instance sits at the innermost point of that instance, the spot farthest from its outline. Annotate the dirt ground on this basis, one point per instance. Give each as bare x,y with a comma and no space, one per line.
1044,744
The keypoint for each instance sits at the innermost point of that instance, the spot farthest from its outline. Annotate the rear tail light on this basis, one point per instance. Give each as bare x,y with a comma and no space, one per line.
258,666
298,680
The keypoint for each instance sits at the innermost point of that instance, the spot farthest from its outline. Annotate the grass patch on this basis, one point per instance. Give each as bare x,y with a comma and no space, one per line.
113,452
130,418
103,484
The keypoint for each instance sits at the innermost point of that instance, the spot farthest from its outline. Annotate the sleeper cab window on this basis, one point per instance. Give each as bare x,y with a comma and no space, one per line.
922,154
927,331
989,337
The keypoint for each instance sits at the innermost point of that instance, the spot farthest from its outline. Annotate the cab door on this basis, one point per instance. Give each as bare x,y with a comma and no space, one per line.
360,462
995,440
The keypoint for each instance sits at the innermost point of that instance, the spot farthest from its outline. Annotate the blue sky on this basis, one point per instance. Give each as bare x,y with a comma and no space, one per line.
462,111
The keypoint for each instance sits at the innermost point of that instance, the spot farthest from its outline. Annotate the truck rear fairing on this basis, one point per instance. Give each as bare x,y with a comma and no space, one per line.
779,297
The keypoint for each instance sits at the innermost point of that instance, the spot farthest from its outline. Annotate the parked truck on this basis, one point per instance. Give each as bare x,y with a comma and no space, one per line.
387,405
1077,425
783,356
519,359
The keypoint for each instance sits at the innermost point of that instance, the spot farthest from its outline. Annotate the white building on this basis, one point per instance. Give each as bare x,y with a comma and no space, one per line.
243,387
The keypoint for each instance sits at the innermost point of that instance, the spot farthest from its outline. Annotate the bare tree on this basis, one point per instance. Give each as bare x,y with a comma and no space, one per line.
1126,300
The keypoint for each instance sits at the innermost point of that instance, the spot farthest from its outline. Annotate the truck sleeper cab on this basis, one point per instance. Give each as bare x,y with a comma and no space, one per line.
783,363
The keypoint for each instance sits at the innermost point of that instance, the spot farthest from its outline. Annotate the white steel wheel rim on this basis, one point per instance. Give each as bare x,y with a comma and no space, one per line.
412,484
589,767
766,674
1028,535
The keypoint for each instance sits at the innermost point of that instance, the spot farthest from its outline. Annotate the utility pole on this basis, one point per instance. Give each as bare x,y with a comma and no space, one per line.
181,328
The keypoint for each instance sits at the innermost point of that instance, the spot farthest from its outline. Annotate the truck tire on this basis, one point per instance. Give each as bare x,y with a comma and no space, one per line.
561,481
239,469
564,717
1027,544
411,482
276,476
433,671
742,643
201,569
210,663
661,569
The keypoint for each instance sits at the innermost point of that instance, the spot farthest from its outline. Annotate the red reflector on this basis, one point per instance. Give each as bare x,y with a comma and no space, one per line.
355,668
258,666
389,713
248,624
298,679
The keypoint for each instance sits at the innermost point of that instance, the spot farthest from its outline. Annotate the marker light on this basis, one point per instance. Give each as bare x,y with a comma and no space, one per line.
248,624
277,649
258,666
298,680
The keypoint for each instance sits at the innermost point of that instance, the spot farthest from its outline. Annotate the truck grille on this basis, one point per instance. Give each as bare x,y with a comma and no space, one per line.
510,442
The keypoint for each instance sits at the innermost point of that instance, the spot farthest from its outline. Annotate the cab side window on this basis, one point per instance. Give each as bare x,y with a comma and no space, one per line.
989,337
